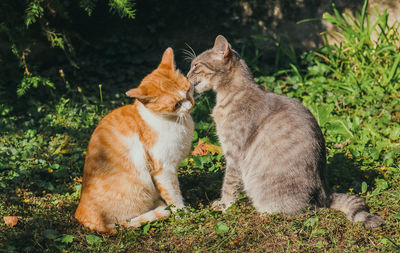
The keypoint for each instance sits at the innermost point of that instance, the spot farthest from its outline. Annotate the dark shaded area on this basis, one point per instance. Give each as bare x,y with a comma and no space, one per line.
33,236
201,188
119,52
344,172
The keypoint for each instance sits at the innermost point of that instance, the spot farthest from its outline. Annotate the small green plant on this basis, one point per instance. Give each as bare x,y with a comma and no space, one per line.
26,24
366,53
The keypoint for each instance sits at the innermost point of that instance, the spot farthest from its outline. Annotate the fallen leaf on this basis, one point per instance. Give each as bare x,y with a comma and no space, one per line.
203,148
384,168
342,145
78,179
11,221
214,149
60,148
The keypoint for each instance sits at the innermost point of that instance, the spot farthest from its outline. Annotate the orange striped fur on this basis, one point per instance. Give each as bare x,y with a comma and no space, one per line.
130,168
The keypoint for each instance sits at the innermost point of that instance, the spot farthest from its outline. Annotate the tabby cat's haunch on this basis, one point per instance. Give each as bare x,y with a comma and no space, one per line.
273,145
130,168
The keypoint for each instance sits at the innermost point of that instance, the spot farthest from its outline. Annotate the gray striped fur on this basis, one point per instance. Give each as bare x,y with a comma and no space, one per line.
273,146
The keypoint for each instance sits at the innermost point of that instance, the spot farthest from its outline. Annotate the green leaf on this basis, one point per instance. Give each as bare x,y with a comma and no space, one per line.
364,187
322,113
390,154
50,234
310,222
125,8
67,239
221,228
146,228
381,185
397,215
394,68
195,136
93,239
184,162
197,161
395,133
340,127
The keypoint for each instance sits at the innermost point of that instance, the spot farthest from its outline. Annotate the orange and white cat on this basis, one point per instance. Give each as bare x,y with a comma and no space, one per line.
130,168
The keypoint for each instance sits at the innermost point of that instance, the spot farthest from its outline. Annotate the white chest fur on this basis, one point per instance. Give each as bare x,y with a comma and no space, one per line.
174,137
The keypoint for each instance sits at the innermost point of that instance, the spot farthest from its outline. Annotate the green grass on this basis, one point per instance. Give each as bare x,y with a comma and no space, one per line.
351,87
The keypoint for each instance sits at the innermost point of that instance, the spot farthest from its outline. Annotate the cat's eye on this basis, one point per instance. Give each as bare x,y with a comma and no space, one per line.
178,105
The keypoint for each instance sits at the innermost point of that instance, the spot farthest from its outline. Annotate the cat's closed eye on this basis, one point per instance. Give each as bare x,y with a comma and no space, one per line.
178,104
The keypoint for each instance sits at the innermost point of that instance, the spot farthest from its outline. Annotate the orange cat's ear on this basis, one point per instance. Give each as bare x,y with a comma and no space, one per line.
140,94
221,46
167,60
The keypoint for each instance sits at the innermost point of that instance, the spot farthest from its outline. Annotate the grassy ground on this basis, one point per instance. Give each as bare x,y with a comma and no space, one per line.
352,89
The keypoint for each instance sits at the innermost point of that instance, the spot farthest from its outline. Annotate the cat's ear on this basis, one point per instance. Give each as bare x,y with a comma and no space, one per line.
222,46
167,60
140,94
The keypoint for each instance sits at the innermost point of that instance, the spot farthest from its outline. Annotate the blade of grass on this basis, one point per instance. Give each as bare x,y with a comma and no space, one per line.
363,12
394,69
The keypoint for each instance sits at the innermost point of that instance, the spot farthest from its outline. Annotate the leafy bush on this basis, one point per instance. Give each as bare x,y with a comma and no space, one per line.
30,23
352,88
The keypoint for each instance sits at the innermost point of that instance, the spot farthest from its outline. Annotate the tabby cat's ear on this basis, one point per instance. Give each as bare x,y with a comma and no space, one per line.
221,46
167,60
140,94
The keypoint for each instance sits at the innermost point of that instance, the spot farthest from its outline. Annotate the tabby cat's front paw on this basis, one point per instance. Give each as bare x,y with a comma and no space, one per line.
174,208
220,205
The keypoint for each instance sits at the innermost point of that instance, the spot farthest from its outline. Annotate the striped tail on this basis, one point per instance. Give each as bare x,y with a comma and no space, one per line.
355,209
158,213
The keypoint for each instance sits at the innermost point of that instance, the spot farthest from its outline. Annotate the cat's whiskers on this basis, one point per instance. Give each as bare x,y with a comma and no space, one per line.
189,55
193,52
198,95
181,119
177,119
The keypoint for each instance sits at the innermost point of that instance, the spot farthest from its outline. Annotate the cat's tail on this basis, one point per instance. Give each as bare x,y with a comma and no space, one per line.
355,209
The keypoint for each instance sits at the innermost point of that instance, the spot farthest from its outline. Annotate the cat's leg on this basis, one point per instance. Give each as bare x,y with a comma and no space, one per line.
167,184
157,213
230,187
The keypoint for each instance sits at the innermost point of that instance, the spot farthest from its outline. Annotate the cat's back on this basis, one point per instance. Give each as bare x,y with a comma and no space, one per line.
124,120
253,110
289,108
285,124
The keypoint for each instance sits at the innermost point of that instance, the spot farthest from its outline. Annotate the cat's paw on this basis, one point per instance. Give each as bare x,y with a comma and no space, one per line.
220,205
132,223
173,208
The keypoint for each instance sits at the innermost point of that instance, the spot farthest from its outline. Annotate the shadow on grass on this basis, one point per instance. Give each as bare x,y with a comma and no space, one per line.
41,227
344,173
201,188
58,167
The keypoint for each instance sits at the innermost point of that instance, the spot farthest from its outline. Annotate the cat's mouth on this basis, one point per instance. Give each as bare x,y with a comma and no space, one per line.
195,84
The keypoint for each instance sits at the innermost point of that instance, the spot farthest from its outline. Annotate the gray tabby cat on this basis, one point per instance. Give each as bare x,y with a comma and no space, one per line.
273,145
